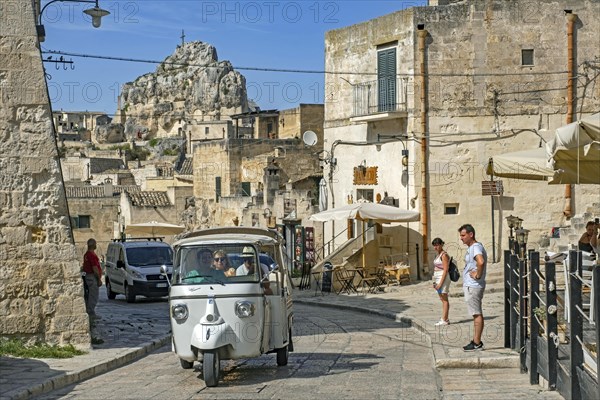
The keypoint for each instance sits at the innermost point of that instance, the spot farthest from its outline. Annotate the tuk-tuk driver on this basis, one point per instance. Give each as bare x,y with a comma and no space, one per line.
202,266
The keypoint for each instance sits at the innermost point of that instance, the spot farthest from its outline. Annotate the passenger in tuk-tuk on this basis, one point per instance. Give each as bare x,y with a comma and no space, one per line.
221,264
248,267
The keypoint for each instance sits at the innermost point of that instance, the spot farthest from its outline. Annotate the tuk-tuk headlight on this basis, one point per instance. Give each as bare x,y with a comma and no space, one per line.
179,312
244,309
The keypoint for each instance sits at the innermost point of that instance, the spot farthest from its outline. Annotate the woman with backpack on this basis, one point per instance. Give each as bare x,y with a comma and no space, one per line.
441,278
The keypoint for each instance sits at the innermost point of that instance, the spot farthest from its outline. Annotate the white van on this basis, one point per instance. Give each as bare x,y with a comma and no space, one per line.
133,268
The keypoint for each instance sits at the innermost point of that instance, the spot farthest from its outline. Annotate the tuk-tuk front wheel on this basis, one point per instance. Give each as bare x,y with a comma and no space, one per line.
282,356
211,368
186,364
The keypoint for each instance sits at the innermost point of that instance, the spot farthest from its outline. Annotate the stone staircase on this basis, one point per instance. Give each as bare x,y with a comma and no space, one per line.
570,234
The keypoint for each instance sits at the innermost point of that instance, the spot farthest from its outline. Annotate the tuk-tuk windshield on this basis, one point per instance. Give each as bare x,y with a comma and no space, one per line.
209,264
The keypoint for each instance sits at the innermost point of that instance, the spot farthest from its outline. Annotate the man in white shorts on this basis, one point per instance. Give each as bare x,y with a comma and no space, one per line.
474,283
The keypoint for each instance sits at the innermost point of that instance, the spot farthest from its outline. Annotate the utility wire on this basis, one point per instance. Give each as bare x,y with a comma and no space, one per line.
285,70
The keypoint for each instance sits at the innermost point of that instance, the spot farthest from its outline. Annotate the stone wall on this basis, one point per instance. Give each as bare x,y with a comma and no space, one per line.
103,212
294,122
242,160
41,292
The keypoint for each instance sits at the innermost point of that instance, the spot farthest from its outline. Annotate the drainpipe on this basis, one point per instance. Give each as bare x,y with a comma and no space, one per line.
422,36
571,18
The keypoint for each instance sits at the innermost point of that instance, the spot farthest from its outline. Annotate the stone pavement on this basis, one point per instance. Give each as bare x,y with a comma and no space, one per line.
418,304
130,331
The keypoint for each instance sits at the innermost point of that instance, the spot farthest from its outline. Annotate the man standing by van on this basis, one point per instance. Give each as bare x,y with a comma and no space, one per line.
93,277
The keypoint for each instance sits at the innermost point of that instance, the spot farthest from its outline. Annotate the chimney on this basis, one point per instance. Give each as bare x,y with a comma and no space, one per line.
271,179
108,188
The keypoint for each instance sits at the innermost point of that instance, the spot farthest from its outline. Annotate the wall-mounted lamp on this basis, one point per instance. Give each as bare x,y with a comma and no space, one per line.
95,12
405,158
267,212
363,167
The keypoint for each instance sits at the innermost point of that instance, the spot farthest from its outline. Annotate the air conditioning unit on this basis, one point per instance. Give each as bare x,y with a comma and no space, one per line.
385,241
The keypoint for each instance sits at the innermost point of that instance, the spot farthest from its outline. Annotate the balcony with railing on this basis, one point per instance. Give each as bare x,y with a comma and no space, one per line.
384,98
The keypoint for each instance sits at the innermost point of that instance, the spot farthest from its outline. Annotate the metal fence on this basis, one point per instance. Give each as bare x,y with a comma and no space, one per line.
560,353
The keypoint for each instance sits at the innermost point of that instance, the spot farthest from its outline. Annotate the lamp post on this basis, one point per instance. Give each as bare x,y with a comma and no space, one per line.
511,220
95,12
522,236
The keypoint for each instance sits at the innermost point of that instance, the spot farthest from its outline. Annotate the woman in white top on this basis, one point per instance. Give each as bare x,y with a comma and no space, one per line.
441,278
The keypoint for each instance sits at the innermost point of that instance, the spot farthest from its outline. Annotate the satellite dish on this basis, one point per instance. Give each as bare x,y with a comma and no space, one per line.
309,138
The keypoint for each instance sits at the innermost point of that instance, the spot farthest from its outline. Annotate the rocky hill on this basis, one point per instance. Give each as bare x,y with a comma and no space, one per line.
189,85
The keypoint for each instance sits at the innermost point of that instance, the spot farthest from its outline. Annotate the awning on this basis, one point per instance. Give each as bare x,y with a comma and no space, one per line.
525,164
574,152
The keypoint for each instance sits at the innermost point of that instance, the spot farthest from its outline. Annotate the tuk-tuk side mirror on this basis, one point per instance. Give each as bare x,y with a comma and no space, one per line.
274,267
120,264
163,271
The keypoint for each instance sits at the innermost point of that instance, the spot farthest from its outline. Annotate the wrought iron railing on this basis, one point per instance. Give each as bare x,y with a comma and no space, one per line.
381,95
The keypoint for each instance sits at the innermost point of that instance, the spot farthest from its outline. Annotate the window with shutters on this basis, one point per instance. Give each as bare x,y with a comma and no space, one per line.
386,80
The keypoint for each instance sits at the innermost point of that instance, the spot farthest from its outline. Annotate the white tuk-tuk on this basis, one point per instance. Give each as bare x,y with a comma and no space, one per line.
225,303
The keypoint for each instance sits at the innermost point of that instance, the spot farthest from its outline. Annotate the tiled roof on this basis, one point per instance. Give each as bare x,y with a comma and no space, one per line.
164,170
84,191
99,165
149,199
187,167
126,188
90,192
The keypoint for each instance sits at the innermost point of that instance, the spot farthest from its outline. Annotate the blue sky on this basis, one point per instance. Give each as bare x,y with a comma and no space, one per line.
266,34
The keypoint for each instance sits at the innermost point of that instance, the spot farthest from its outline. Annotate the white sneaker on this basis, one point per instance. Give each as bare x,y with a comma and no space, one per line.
441,322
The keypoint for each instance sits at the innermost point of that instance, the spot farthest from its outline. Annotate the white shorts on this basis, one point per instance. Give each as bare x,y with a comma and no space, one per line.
437,276
473,297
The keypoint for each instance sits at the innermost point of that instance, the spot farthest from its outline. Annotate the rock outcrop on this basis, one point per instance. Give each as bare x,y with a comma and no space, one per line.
189,86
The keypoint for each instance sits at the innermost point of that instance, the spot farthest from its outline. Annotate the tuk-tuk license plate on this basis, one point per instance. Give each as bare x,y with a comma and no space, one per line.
161,285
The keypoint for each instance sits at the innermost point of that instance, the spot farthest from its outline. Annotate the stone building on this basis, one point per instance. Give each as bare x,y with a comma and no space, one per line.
450,85
70,122
41,292
95,212
256,182
103,211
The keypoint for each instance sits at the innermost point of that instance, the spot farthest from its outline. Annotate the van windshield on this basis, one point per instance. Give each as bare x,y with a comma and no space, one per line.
145,256
221,264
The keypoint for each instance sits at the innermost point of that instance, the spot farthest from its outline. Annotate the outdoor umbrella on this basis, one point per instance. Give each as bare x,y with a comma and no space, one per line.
367,211
153,228
364,212
574,152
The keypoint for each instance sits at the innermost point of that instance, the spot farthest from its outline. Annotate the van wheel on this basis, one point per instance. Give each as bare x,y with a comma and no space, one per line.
282,356
186,364
129,294
211,368
109,293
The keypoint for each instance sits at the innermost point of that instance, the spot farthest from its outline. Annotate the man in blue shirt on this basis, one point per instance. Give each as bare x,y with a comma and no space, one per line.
474,282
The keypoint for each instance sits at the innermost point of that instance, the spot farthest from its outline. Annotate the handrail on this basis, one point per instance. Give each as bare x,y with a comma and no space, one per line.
317,252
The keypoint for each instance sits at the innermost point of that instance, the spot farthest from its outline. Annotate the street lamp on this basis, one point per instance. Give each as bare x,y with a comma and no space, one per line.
512,223
95,12
522,236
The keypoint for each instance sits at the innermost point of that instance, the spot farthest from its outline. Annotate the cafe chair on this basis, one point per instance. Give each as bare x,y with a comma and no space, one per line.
346,280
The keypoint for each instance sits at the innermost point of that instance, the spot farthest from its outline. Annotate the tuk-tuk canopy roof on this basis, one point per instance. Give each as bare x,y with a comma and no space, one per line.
238,234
